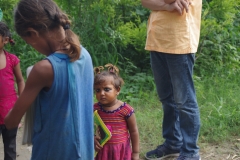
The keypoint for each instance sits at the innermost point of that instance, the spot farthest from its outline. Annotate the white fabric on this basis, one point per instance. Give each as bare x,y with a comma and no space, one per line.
28,121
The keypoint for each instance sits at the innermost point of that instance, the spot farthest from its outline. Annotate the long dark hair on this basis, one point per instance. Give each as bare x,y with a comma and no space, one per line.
45,15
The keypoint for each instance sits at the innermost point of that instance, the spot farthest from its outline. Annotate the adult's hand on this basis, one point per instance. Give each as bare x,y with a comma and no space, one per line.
155,5
179,6
167,5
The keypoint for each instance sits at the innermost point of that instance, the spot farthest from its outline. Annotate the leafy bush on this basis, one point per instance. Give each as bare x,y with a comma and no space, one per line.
220,38
114,31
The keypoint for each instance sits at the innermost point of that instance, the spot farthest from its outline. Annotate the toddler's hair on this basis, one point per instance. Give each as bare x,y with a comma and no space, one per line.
44,16
4,32
101,75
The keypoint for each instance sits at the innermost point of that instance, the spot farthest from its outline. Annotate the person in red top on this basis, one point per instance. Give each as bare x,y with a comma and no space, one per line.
118,116
9,68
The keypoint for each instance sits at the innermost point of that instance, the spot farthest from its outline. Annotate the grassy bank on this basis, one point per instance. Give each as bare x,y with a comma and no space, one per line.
219,103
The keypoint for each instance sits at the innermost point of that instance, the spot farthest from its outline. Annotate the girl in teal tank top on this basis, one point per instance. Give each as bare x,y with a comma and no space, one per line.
60,86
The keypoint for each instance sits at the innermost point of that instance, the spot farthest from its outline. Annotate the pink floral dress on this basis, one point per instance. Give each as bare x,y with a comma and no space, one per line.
8,95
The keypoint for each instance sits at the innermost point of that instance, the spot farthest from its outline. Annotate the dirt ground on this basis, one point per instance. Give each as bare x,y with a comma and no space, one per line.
223,151
23,151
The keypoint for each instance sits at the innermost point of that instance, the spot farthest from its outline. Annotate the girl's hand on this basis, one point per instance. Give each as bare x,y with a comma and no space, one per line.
97,145
135,156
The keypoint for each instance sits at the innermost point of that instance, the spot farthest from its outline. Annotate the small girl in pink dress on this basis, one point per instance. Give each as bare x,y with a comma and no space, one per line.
117,115
9,68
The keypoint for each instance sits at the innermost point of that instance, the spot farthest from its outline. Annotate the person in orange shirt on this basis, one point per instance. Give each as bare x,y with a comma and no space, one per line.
172,39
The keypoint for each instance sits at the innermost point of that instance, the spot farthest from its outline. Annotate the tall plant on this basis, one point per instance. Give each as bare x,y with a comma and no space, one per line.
219,43
111,30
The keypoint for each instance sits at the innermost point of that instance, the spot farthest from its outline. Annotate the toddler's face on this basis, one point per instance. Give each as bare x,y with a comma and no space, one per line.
106,93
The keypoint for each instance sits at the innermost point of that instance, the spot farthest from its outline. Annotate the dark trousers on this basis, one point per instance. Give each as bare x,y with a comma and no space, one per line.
9,141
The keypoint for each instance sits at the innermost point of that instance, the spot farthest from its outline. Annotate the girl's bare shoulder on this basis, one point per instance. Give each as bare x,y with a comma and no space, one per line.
41,74
43,68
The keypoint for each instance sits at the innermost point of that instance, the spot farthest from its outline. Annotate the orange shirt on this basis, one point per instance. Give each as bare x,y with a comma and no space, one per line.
170,32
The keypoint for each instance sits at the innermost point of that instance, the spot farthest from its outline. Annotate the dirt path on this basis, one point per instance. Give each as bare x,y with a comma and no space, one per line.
23,151
223,151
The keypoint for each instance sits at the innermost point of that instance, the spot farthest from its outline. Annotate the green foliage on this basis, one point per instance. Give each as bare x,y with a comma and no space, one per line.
218,99
137,87
111,30
219,106
132,37
220,38
149,117
114,31
97,33
7,7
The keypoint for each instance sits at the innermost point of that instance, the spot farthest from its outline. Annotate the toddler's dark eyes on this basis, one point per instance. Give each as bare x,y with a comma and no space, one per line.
107,89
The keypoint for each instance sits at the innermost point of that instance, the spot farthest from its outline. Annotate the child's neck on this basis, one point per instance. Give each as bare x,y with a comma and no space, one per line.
1,51
112,106
2,59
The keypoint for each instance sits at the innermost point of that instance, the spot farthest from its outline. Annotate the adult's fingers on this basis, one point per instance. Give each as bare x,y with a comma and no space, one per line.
177,8
180,5
185,4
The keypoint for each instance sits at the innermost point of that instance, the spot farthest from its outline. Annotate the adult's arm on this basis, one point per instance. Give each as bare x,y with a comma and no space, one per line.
155,5
169,1
40,77
166,5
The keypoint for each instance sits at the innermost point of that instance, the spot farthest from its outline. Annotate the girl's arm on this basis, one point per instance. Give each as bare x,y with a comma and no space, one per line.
133,130
40,77
19,78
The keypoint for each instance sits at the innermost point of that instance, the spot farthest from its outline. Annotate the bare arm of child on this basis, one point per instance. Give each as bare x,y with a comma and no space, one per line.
133,130
40,77
19,78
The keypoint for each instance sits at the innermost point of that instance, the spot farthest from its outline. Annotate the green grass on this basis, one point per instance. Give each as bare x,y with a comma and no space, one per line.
219,103
149,119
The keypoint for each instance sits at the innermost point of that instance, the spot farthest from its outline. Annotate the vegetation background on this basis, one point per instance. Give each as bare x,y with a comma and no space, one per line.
114,31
